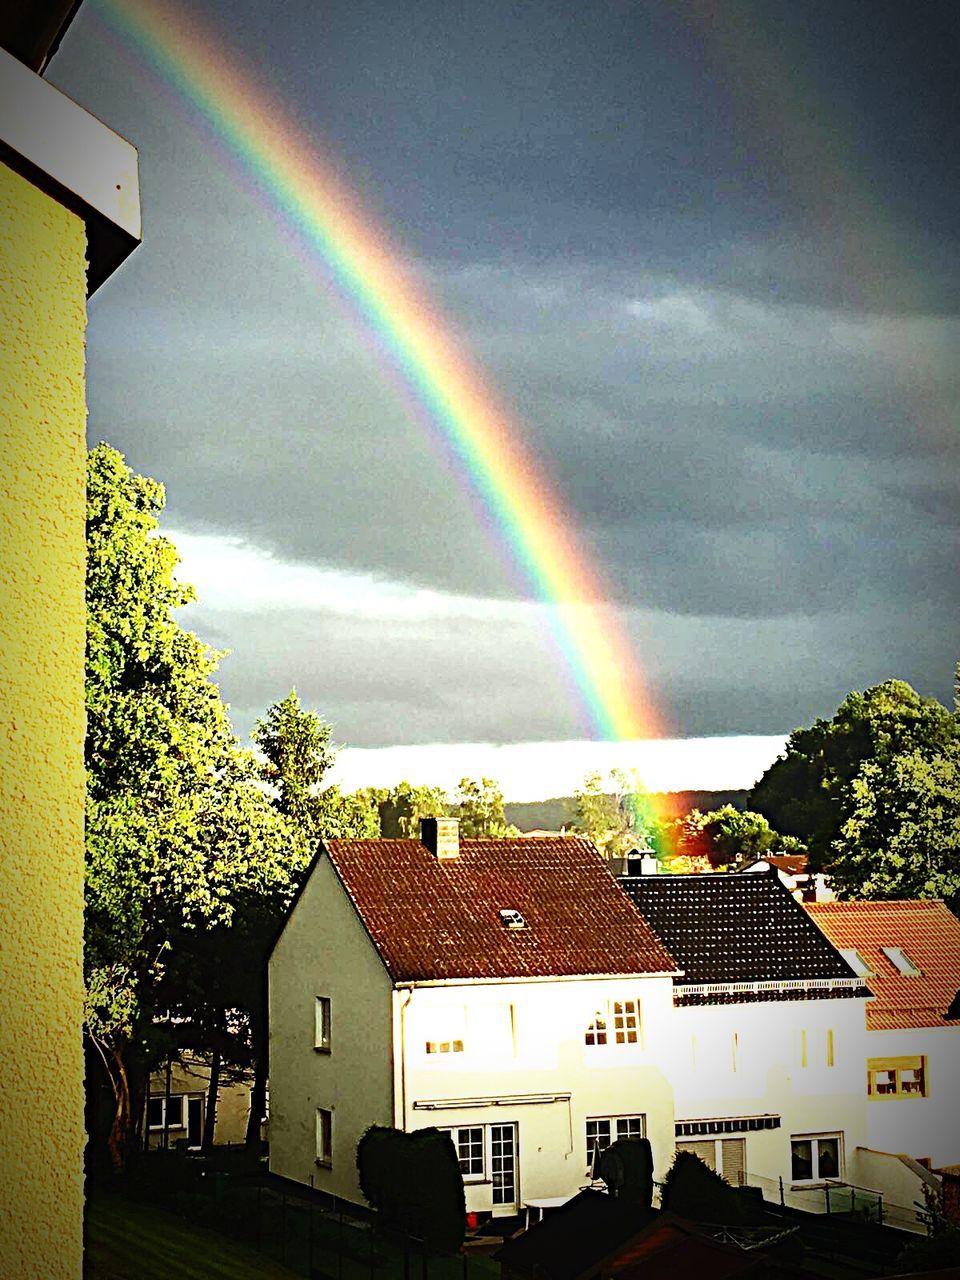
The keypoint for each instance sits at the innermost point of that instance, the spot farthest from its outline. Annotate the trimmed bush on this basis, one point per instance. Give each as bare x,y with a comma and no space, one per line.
693,1190
413,1180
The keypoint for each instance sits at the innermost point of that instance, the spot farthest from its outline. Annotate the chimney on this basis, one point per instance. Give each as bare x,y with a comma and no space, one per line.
642,862
441,836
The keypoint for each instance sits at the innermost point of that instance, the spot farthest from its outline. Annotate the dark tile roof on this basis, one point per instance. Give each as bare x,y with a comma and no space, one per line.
929,934
725,928
574,1238
434,920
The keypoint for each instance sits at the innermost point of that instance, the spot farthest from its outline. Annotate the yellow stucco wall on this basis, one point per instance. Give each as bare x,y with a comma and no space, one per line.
42,460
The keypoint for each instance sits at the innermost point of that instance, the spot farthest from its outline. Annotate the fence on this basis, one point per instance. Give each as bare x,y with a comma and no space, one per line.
842,1199
318,1240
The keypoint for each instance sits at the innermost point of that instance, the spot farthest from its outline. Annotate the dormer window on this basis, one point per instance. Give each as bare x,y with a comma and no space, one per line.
511,919
901,961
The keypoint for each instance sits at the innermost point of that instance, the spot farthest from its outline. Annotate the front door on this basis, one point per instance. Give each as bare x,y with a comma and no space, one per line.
194,1122
503,1168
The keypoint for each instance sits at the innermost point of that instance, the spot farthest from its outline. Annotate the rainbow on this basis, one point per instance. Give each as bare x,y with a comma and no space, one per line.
312,200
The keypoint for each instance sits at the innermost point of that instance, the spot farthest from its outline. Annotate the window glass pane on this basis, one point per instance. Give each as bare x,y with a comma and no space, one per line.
828,1163
597,1031
155,1113
470,1150
626,1021
885,1081
630,1127
175,1112
911,1080
801,1159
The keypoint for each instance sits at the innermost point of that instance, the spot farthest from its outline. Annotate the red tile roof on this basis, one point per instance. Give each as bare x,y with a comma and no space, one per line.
433,920
929,934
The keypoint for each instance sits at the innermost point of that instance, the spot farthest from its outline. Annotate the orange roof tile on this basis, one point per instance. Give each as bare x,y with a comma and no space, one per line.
929,934
436,919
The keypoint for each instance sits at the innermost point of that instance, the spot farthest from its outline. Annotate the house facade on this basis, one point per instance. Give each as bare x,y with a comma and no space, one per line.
504,990
908,954
69,208
768,1034
176,1106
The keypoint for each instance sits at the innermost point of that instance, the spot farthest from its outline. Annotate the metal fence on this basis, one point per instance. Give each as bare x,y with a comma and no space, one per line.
842,1199
315,1239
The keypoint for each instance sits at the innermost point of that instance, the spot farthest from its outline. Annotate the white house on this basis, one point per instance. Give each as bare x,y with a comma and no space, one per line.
908,953
506,990
768,1033
794,872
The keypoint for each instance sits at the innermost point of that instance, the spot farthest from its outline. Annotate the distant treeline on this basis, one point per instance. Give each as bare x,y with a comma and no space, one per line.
561,811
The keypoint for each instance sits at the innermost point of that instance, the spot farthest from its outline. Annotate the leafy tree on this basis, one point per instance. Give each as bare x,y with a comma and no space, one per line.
177,821
729,836
297,751
479,806
901,834
401,808
613,811
808,791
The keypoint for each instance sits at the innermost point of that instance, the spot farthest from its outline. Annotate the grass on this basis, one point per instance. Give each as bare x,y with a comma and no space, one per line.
130,1241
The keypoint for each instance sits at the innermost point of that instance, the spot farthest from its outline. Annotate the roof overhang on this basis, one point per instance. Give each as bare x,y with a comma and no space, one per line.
76,159
32,29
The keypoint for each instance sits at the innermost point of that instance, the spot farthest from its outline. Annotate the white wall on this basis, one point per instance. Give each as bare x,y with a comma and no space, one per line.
528,1038
919,1127
325,951
763,1072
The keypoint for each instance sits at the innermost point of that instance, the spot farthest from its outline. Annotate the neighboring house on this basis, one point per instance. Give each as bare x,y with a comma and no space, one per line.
176,1113
767,1035
794,872
504,990
69,211
908,953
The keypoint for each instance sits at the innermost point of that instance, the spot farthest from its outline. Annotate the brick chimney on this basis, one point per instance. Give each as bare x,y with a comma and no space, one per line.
441,836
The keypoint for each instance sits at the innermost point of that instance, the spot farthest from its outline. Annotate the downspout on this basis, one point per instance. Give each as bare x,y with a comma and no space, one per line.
406,995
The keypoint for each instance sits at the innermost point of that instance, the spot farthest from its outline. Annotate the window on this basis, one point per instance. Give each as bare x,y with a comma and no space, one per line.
603,1131
512,919
901,961
322,1025
626,1021
856,962
447,1030
156,1106
616,1022
444,1046
324,1137
897,1077
727,1156
469,1144
815,1157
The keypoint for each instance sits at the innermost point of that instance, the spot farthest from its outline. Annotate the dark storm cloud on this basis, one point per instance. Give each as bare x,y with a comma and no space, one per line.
707,253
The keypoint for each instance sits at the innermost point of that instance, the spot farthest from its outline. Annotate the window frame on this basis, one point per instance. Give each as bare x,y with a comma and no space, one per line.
324,1137
162,1099
816,1178
912,1062
902,962
322,1024
615,1022
613,1124
471,1175
856,962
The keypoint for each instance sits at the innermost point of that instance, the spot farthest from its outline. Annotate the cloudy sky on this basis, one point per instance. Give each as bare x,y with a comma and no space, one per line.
707,253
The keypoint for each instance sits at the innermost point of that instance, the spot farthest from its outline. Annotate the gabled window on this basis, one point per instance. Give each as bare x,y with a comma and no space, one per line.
856,962
616,1022
901,961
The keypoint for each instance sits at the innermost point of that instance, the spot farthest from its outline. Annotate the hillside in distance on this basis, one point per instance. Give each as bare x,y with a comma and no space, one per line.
561,811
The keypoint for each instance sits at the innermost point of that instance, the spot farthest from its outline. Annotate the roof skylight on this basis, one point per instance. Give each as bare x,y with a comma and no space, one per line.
901,961
511,918
856,962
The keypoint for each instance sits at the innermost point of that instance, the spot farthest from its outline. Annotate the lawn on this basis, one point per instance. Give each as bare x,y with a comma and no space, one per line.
126,1240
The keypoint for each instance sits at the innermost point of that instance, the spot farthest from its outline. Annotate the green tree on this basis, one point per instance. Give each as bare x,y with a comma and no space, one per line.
297,751
401,808
729,836
613,811
901,834
177,822
808,791
479,806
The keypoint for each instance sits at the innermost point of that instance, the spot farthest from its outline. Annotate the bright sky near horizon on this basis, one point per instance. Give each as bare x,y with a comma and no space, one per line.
709,256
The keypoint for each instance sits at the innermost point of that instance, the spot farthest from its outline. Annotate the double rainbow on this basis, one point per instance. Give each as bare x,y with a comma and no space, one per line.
313,202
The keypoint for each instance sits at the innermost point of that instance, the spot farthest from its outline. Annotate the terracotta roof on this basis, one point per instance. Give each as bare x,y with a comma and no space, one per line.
791,864
436,919
929,934
749,928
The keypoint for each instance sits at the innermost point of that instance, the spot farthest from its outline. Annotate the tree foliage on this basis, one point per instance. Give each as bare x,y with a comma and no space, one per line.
401,808
479,806
613,811
729,837
414,1182
809,791
177,821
